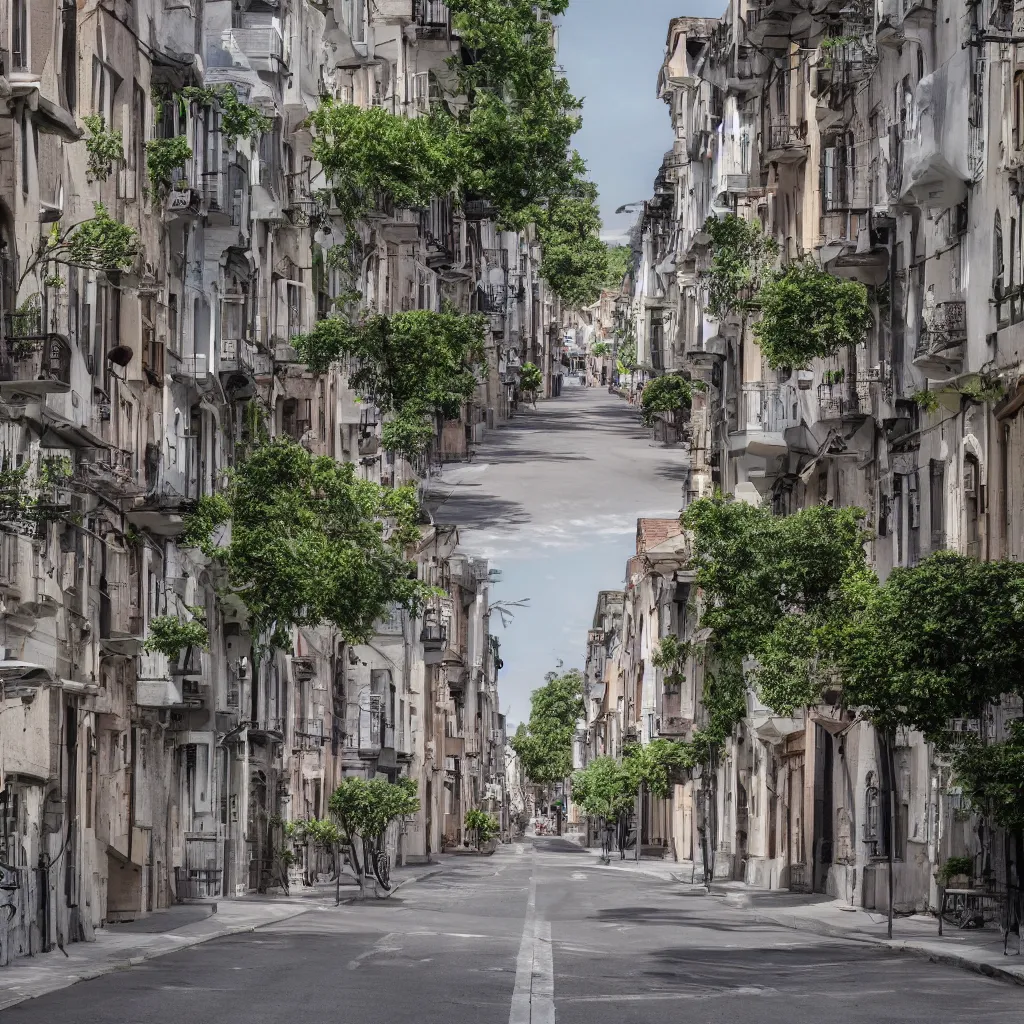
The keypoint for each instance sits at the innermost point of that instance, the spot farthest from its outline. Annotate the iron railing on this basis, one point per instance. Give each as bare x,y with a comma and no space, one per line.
764,407
308,733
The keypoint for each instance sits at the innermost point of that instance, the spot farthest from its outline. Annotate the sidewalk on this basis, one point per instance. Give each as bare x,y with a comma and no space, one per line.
121,946
978,950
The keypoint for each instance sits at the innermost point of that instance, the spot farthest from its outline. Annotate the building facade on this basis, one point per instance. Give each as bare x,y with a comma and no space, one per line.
126,781
881,142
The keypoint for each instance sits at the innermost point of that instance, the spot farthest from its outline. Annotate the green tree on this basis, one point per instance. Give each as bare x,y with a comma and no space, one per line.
369,155
575,260
531,380
936,641
308,542
777,589
656,765
544,747
484,826
414,366
104,147
741,259
992,778
669,393
170,636
164,156
97,243
603,789
364,808
807,313
620,263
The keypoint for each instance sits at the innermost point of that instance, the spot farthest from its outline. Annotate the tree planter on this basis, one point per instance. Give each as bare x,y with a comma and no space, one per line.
486,850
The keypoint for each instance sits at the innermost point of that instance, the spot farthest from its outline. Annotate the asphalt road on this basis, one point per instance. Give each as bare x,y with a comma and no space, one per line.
582,460
552,499
531,935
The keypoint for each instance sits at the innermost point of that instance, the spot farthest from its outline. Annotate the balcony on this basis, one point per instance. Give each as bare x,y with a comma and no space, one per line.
493,299
193,369
765,412
110,470
769,27
300,203
940,346
787,143
262,49
433,18
308,734
33,361
237,357
434,637
841,402
479,209
159,693
438,233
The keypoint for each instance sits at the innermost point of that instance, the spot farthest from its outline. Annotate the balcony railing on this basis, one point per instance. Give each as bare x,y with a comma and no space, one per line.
948,322
260,46
32,361
432,15
764,408
493,298
237,356
783,135
308,733
894,172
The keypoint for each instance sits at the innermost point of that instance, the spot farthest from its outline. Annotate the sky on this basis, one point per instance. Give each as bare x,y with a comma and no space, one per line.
612,51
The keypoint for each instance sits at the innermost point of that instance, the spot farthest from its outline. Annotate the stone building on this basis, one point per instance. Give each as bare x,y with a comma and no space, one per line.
881,142
126,781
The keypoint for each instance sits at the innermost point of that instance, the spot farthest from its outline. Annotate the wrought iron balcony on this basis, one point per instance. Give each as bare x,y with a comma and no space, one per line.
940,345
786,142
32,359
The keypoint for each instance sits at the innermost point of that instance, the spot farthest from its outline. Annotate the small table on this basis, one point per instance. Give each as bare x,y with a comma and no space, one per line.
965,905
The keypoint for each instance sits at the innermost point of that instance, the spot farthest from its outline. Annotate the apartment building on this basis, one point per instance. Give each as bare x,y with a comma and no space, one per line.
126,781
882,142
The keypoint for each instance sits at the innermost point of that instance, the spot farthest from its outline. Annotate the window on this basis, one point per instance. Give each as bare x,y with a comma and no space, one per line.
1018,111
136,154
69,55
972,503
19,35
937,511
997,263
25,163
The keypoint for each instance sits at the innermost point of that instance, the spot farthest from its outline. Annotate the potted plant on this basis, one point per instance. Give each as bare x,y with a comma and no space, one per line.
955,873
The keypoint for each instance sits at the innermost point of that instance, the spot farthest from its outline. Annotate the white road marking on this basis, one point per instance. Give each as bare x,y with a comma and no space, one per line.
542,997
533,997
382,945
578,876
637,997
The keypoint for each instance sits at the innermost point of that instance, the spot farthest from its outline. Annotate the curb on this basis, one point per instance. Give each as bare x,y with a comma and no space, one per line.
112,967
905,946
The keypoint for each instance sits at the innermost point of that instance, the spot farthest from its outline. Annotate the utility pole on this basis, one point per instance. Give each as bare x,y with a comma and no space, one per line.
892,819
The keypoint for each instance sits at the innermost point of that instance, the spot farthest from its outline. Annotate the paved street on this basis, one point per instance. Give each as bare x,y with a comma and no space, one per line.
552,499
578,466
535,934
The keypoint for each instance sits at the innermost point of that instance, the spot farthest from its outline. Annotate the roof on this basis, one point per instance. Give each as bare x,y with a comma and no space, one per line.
650,533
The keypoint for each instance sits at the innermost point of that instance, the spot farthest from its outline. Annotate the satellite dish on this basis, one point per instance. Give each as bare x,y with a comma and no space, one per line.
120,354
